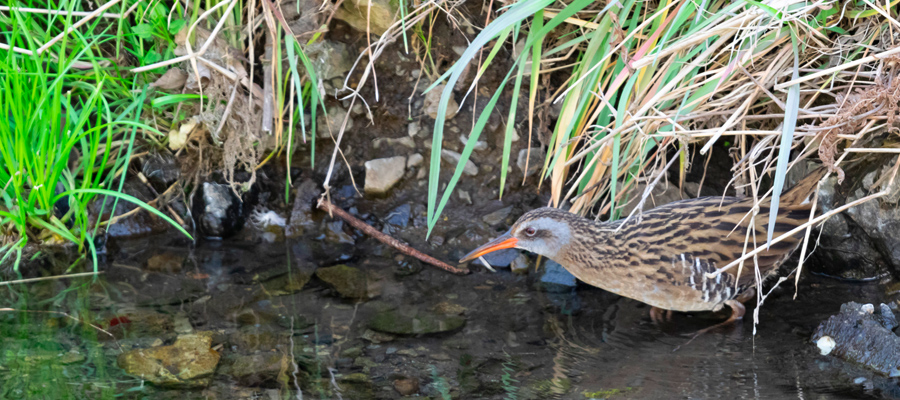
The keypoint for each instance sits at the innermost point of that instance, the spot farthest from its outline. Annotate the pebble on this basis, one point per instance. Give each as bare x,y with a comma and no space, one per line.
453,157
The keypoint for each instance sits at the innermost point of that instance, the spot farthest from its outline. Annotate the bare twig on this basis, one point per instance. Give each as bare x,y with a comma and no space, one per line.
371,231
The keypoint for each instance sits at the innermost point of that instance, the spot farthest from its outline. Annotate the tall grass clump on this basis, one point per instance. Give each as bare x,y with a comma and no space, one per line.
643,80
66,135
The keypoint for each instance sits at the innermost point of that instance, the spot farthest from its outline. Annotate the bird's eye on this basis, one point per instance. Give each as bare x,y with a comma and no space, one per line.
530,231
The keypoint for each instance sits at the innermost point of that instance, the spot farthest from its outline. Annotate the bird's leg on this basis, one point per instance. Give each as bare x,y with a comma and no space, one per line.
659,315
737,313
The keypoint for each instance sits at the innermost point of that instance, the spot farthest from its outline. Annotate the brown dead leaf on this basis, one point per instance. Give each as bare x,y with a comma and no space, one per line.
173,79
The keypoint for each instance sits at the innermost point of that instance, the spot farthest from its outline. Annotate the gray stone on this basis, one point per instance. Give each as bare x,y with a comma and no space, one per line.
453,157
330,59
329,124
501,258
413,129
401,141
382,174
520,264
497,217
414,160
432,100
535,161
479,145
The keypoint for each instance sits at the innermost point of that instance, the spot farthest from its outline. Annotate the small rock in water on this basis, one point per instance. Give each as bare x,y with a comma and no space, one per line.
557,279
188,363
382,174
347,281
399,216
263,369
414,321
165,262
453,158
500,258
301,218
334,233
406,386
520,264
497,217
826,345
376,337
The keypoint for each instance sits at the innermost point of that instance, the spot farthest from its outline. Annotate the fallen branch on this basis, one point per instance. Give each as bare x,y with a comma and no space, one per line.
388,240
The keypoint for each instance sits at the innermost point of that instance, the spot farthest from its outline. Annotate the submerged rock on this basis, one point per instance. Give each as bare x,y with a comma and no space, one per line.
264,369
301,218
861,336
188,363
383,173
557,279
347,281
415,321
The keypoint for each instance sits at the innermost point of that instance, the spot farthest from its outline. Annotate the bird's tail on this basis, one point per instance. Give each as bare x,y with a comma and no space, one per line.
803,189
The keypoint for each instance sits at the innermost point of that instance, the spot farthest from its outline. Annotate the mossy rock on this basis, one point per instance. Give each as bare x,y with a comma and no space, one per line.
415,322
347,281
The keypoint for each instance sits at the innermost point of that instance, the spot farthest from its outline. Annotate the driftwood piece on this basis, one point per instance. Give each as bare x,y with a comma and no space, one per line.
388,240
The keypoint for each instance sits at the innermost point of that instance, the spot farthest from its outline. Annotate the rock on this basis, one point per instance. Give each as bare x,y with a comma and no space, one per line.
165,262
497,217
453,158
413,129
432,100
222,213
330,59
500,258
356,386
301,219
161,169
374,16
263,369
448,308
464,196
328,125
347,281
414,160
376,337
414,321
334,233
188,363
406,386
399,216
382,174
402,141
859,243
557,279
861,336
479,145
535,160
520,264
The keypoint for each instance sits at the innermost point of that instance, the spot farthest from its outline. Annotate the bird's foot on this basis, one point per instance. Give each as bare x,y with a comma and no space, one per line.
659,315
737,314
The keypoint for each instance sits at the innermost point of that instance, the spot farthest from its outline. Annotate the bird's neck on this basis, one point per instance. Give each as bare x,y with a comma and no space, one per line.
593,246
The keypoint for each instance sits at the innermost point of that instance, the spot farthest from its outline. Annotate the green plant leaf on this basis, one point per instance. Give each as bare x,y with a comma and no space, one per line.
143,31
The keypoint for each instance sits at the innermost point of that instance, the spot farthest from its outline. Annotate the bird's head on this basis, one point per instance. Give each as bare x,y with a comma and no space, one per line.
545,231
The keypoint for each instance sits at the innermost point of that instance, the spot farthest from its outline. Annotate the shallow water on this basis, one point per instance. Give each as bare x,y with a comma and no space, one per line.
519,340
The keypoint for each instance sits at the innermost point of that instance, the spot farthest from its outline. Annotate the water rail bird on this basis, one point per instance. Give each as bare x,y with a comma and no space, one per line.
663,258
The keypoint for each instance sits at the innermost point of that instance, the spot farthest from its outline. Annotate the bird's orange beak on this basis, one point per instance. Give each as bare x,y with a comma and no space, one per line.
505,241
